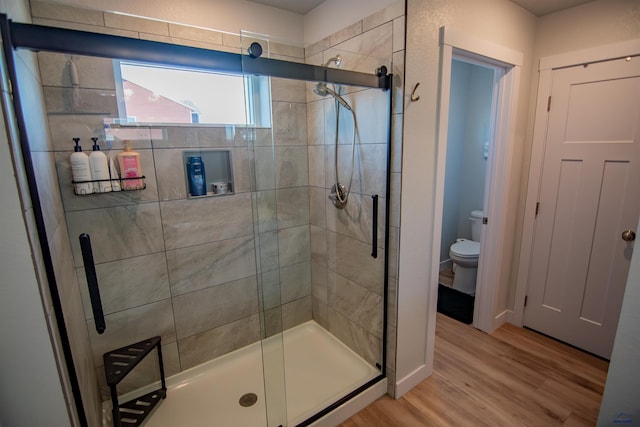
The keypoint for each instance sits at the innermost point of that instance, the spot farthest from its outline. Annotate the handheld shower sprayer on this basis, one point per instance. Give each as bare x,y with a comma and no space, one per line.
322,89
339,193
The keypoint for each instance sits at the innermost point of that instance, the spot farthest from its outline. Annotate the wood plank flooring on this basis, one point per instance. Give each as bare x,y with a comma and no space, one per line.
513,377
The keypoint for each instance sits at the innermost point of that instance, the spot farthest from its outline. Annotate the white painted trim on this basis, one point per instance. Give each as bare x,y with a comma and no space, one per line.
498,179
502,318
353,406
533,190
465,41
594,54
411,380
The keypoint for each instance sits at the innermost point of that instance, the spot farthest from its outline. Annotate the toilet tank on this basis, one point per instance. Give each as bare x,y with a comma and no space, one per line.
476,224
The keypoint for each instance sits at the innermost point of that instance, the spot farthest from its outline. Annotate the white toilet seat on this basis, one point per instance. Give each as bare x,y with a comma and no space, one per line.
465,249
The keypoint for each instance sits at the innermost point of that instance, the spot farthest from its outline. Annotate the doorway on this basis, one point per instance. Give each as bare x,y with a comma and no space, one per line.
505,64
471,116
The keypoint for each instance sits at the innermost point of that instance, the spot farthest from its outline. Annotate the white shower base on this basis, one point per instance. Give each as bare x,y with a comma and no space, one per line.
318,370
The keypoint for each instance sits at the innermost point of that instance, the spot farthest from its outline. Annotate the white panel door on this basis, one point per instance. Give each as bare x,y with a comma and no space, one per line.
589,195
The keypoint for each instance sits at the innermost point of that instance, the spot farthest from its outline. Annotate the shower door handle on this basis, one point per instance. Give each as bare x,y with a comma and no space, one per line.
374,227
92,282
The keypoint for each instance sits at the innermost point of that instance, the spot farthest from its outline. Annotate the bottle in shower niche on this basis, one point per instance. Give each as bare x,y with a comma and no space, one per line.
130,169
196,176
99,169
80,170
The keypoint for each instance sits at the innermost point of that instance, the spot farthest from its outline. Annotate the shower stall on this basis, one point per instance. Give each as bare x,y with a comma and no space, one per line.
267,292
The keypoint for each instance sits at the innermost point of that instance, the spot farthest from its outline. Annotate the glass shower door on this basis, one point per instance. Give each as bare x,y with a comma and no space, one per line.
321,267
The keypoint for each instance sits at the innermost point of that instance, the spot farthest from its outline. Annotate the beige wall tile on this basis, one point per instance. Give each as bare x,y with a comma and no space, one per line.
60,100
93,73
385,15
280,49
396,143
293,206
367,51
117,233
317,47
287,90
294,245
291,167
316,166
317,201
84,27
398,34
318,245
208,345
66,13
358,304
398,83
355,337
352,259
296,312
199,267
345,34
289,123
295,281
48,191
197,34
215,306
356,219
132,23
203,220
128,283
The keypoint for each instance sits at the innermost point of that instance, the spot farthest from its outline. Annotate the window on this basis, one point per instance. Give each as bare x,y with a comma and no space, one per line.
151,93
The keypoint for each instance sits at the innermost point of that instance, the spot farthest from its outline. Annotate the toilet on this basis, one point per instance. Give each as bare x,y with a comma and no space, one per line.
464,253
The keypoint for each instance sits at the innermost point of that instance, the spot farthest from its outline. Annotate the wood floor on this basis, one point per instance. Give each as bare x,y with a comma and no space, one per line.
513,377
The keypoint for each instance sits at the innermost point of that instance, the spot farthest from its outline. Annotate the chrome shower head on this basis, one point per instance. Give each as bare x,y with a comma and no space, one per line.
335,60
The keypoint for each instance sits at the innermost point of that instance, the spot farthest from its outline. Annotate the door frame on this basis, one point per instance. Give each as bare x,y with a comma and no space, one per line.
546,67
456,43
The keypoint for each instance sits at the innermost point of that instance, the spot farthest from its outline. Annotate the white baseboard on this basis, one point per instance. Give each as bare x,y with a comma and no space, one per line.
353,406
501,319
411,380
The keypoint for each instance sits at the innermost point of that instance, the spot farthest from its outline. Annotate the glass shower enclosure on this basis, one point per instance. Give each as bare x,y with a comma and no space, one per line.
267,297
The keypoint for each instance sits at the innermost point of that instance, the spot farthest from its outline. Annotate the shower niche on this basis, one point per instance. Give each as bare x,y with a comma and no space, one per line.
208,173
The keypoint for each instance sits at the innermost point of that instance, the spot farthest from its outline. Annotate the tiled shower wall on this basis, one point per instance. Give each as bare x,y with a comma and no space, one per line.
140,232
184,269
347,283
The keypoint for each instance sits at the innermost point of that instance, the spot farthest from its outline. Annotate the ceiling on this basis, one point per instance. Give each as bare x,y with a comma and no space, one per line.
537,7
297,6
544,7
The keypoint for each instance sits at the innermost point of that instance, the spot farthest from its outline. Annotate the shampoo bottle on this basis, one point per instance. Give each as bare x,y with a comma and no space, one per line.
99,168
130,170
196,176
80,170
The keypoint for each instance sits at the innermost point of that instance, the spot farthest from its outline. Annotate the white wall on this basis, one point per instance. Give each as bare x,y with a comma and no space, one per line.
222,15
498,21
620,400
477,132
460,72
334,15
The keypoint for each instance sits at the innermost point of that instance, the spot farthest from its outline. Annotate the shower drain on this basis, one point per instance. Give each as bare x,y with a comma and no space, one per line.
248,399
